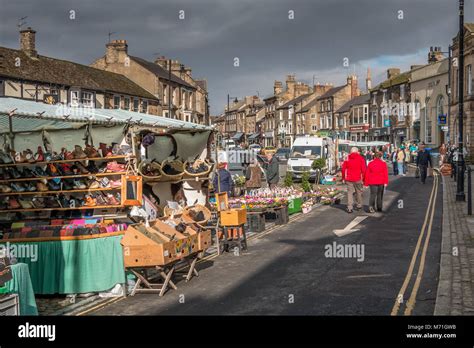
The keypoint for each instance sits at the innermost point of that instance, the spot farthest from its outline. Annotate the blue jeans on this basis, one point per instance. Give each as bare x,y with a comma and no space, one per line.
400,168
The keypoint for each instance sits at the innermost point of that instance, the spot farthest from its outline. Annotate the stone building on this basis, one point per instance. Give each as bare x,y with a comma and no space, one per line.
253,124
236,117
468,90
161,79
329,102
355,114
428,89
390,109
27,75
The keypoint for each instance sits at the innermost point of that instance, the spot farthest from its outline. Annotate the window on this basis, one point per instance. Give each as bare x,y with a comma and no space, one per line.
329,106
116,102
402,92
74,98
144,106
321,108
87,99
314,128
126,103
313,116
469,79
366,114
136,105
281,115
384,97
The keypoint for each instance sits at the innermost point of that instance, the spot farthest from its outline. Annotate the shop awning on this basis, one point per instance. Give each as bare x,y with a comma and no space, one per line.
237,136
254,136
64,114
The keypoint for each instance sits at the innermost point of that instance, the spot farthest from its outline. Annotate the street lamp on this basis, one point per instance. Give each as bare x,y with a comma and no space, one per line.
460,196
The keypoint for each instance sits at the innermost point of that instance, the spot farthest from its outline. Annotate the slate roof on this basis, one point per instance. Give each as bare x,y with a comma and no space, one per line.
362,99
293,101
331,92
65,73
159,71
394,81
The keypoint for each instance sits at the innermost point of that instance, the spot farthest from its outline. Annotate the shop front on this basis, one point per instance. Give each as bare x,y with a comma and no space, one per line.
400,135
268,138
359,132
379,134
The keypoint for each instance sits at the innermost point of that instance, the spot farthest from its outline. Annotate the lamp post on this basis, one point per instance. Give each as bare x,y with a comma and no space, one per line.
460,196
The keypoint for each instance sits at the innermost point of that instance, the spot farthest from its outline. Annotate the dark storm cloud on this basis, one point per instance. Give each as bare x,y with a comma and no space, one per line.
258,32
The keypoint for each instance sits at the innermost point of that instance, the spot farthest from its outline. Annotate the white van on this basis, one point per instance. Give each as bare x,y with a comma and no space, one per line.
228,144
303,152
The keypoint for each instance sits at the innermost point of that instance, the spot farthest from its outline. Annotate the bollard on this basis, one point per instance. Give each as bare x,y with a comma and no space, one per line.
469,193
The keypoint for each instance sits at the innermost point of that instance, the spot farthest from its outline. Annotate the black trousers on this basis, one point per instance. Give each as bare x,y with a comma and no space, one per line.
423,172
376,196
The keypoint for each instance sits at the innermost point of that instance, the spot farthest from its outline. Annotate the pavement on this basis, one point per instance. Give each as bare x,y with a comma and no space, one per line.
304,268
456,286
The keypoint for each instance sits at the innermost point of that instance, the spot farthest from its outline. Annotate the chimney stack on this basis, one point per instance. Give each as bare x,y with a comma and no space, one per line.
28,42
435,55
368,81
116,51
391,72
162,61
352,82
277,87
290,84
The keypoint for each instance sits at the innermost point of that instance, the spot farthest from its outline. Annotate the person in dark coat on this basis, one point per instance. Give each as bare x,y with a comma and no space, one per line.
273,171
423,160
222,181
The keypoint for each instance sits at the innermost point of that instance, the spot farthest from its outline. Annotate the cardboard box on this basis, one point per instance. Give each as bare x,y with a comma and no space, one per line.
185,243
233,217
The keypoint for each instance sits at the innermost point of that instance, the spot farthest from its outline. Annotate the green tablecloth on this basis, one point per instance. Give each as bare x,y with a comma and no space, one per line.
21,285
76,266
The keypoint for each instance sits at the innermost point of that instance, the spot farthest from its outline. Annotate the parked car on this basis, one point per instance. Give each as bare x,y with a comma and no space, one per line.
255,147
269,150
282,154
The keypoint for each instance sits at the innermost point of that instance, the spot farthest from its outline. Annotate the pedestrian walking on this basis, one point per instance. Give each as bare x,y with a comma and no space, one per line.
423,160
353,171
442,153
273,171
376,177
401,161
393,158
222,181
253,176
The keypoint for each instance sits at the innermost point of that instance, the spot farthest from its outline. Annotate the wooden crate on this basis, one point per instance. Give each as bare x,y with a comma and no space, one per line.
233,217
185,244
142,247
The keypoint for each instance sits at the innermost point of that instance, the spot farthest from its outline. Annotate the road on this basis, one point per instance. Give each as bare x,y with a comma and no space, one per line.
288,271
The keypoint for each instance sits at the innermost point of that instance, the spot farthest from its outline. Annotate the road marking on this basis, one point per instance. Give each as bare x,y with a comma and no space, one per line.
369,276
350,227
401,293
412,300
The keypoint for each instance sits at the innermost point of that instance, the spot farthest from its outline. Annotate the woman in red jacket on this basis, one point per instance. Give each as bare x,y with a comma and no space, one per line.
376,177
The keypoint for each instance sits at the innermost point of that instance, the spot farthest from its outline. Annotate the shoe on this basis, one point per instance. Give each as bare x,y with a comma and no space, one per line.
103,149
111,200
51,202
101,200
66,169
5,189
67,185
79,168
115,167
78,152
92,168
38,203
51,170
63,201
3,205
94,184
358,208
53,186
371,210
349,210
27,173
115,183
39,155
38,172
67,155
41,186
115,149
79,185
57,156
14,173
25,203
17,187
379,210
47,156
91,152
30,187
90,202
13,203
29,156
5,174
5,158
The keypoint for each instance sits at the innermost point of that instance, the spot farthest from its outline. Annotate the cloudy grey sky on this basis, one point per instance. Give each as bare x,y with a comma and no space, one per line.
268,44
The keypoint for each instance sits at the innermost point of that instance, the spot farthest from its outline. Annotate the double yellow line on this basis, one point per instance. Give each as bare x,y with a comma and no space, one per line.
427,227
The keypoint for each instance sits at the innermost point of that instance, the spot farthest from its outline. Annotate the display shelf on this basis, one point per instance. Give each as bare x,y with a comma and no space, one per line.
61,209
63,177
65,161
58,192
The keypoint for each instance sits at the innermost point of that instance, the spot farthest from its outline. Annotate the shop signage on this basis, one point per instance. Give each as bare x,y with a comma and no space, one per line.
362,128
401,132
444,128
442,119
376,132
386,123
51,99
269,134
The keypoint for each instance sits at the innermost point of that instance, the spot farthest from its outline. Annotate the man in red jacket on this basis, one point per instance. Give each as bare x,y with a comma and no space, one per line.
376,177
353,171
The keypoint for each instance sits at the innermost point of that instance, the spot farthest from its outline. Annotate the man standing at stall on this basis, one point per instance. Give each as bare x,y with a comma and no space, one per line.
353,171
273,171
